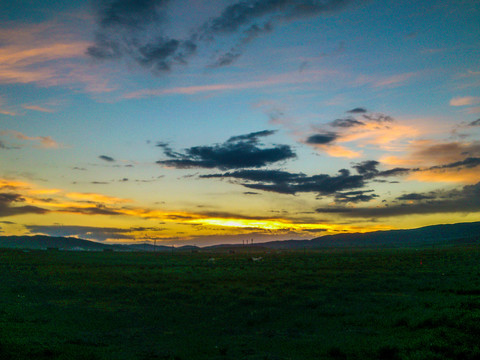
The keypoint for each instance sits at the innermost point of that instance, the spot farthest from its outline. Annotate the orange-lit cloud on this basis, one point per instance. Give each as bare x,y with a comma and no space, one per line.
38,108
49,54
376,131
93,197
12,184
45,141
339,151
4,111
394,80
426,153
312,76
461,175
464,101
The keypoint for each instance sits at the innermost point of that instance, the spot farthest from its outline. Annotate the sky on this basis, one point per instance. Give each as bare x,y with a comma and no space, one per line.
202,122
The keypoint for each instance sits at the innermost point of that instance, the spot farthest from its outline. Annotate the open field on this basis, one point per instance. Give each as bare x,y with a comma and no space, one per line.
371,304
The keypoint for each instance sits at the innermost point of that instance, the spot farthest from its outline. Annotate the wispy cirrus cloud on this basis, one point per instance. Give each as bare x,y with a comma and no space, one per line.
47,54
289,78
465,101
38,108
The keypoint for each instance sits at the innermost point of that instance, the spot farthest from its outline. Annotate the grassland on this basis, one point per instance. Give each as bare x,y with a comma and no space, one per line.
369,304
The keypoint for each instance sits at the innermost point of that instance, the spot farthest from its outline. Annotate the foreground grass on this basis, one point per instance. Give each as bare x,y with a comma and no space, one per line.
371,304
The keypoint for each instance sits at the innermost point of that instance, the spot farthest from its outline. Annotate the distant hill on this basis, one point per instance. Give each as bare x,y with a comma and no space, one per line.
420,237
44,242
68,243
436,235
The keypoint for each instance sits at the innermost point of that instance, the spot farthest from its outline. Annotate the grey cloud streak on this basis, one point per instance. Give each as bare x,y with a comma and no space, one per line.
136,29
8,206
464,200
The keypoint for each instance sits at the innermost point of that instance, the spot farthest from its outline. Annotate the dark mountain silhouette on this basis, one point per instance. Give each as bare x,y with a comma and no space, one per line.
420,237
68,243
436,235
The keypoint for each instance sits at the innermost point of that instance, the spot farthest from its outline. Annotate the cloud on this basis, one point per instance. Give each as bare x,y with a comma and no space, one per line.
4,146
430,153
321,139
464,101
355,196
353,134
49,54
293,78
106,158
464,200
284,182
138,30
415,197
474,110
38,108
92,210
358,110
236,153
346,123
8,206
368,168
45,141
96,198
394,80
252,137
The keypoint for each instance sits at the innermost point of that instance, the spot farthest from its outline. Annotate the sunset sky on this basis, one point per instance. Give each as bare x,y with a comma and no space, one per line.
215,121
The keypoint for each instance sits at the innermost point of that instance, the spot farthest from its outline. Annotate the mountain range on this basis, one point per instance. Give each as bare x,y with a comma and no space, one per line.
436,235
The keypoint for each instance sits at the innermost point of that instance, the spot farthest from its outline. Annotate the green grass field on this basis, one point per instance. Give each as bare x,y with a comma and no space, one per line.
369,304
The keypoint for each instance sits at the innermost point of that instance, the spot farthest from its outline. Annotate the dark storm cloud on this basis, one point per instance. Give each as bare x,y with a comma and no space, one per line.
235,52
355,196
469,162
378,117
259,175
415,197
236,153
252,137
284,182
106,158
93,210
346,123
475,123
136,29
395,172
129,13
167,150
226,59
358,110
245,12
8,208
368,169
131,28
321,139
464,200
88,232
